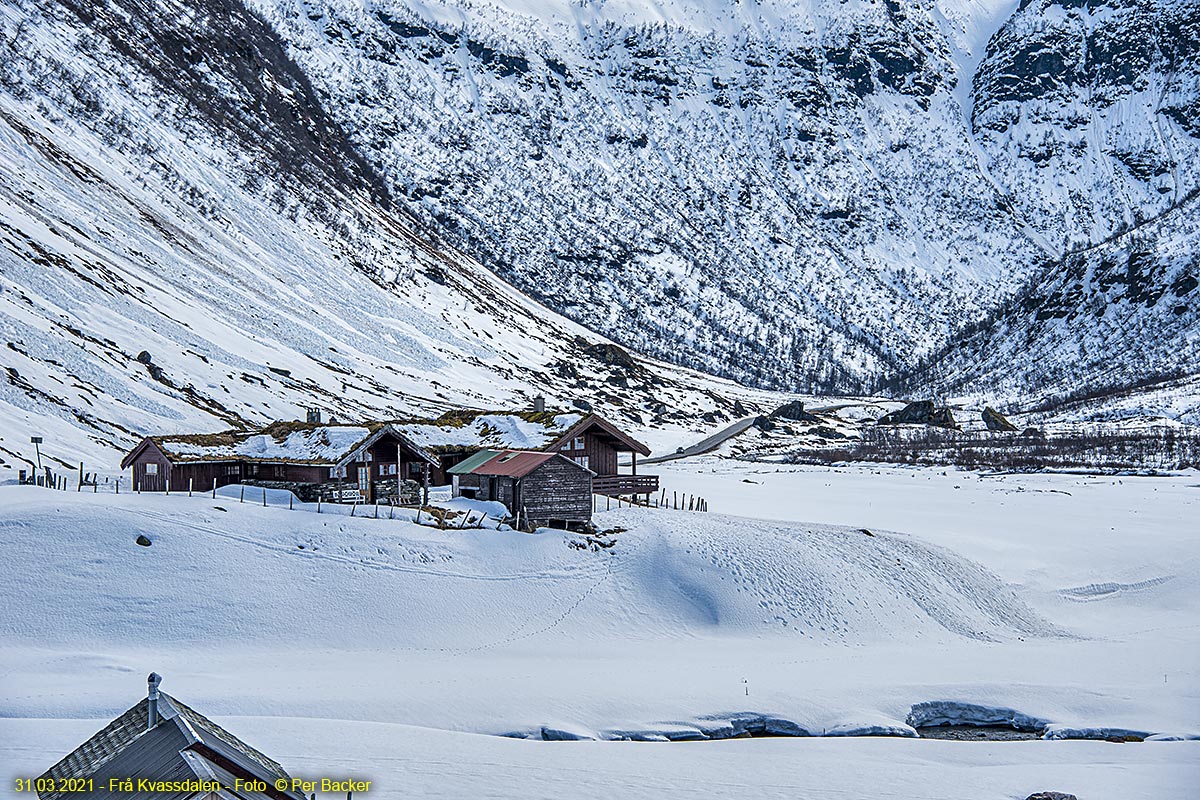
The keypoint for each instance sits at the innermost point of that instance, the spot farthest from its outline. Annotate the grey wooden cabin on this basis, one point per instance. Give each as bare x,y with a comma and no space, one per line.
161,739
539,489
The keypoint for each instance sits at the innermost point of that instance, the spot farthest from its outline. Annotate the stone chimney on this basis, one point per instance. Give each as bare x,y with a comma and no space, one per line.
539,405
314,416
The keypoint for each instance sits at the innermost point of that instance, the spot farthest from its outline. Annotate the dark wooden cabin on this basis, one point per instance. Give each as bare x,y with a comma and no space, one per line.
588,439
539,489
336,463
596,443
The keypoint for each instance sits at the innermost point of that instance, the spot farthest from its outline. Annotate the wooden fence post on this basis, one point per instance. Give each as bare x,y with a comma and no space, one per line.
190,480
167,483
264,496
352,507
290,496
674,501
242,493
214,487
80,487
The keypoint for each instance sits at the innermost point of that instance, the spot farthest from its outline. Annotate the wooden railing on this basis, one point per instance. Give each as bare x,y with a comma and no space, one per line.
621,485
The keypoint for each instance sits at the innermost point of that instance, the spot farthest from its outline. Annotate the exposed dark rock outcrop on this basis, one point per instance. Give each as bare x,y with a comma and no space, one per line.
920,412
995,421
794,411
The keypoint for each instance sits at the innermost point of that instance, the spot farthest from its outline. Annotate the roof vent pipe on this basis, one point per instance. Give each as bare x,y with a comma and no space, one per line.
152,683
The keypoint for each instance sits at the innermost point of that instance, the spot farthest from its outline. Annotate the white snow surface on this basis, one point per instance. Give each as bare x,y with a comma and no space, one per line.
326,443
340,644
492,430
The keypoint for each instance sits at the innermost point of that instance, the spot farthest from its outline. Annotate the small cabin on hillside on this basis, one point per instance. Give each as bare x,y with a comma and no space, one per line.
335,463
539,489
590,440
161,741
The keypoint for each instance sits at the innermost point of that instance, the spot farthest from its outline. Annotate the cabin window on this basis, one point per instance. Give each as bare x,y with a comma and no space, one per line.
567,446
152,469
582,461
253,469
578,442
233,469
337,472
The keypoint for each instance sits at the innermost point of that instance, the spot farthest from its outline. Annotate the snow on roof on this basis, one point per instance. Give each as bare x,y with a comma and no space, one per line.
294,442
501,430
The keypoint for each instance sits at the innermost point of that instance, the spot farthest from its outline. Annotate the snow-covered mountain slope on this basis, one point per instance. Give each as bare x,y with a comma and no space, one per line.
1119,318
1087,114
800,193
284,210
170,185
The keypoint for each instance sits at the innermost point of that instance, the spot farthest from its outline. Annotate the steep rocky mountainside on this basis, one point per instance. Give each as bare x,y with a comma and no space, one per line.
188,241
803,193
1119,317
222,211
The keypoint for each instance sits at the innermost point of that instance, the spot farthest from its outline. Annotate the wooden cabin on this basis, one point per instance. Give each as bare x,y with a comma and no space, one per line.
588,439
162,740
335,463
539,489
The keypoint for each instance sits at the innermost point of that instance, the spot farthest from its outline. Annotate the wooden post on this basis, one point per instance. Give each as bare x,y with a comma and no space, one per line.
167,483
664,497
214,487
264,496
190,486
377,509
353,506
96,484
117,485
139,487
425,484
290,498
318,501
242,494
607,502
80,487
674,501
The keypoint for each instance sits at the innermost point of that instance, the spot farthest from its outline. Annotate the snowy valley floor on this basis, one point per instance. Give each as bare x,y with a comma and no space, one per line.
381,649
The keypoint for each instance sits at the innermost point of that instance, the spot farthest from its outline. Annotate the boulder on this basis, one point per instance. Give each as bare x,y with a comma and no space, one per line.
943,418
794,410
995,421
920,412
763,423
739,410
916,413
582,405
143,540
613,356
144,357
1051,796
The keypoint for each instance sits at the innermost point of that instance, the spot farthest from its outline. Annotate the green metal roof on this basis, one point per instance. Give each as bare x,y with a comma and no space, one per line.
465,466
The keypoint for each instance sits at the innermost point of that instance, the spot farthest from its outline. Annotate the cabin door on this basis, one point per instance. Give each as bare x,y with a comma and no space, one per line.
364,483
